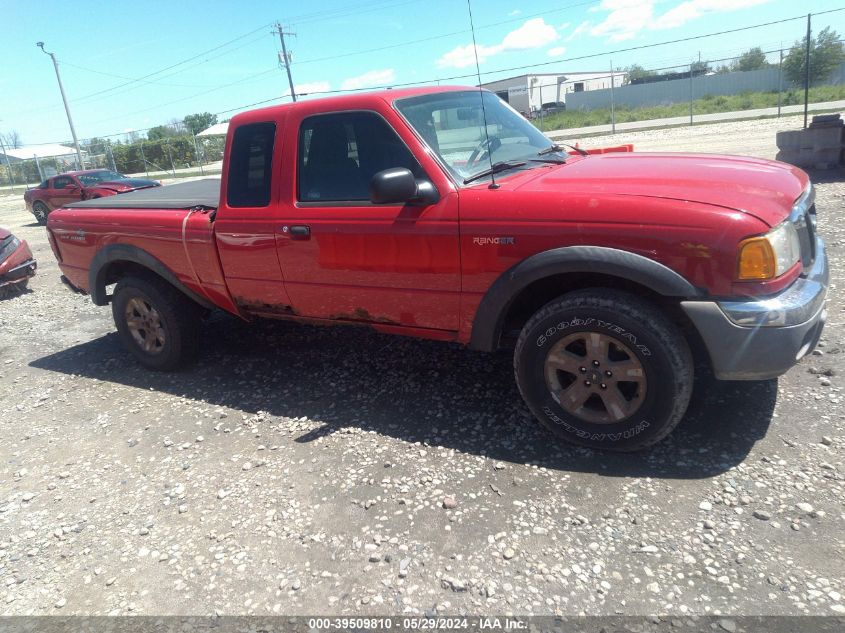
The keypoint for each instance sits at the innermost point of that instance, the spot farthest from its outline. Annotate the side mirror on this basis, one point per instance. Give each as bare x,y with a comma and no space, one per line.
398,185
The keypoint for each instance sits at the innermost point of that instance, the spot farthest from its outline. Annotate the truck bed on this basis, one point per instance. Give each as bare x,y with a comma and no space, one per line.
183,195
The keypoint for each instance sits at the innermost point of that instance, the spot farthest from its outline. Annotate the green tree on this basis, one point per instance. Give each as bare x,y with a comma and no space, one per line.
826,53
196,123
159,132
636,72
752,59
699,68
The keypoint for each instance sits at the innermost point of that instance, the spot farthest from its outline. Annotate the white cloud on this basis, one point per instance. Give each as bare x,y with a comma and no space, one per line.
535,33
462,56
370,79
578,30
314,86
557,51
692,9
627,18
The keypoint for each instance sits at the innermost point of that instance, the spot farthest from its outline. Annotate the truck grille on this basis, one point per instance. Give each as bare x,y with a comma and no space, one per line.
803,217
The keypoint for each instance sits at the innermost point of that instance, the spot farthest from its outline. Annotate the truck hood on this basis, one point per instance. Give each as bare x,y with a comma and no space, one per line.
763,188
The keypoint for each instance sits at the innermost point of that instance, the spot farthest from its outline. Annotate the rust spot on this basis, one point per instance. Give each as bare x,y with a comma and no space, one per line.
360,314
261,308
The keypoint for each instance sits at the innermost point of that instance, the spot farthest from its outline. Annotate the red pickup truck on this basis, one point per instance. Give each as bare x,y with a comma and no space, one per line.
442,213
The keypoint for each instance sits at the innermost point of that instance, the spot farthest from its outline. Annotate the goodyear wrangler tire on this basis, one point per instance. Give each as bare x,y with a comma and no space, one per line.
604,369
158,324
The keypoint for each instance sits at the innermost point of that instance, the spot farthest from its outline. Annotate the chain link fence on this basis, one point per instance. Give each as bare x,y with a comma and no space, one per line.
176,156
688,90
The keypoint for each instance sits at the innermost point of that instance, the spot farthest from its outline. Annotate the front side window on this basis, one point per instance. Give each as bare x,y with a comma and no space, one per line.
340,153
452,124
60,182
250,165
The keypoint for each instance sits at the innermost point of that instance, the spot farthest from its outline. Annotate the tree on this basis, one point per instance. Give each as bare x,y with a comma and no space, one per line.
12,139
196,123
699,68
159,132
752,59
826,53
637,72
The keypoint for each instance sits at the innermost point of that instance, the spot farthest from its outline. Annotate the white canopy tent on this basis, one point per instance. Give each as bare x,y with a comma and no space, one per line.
218,129
39,151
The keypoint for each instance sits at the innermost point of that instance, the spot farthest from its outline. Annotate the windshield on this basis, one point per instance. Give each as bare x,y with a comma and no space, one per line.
99,176
452,124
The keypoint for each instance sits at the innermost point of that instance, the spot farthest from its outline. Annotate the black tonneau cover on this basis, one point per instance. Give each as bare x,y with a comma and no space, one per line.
183,195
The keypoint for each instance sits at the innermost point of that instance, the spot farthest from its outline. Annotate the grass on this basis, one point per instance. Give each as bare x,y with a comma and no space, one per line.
709,104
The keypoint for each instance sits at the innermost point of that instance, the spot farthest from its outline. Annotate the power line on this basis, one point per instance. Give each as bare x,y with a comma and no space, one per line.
445,35
490,72
161,70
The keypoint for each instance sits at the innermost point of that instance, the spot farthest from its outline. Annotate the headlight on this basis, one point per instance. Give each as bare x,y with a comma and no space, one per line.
770,255
8,247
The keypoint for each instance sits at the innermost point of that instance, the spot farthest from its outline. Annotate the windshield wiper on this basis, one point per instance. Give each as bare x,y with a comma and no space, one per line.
552,161
558,147
495,169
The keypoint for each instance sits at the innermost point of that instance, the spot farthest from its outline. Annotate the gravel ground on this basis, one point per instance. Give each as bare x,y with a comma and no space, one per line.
305,470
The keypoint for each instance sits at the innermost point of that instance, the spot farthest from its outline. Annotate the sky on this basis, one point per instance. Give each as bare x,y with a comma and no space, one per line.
132,66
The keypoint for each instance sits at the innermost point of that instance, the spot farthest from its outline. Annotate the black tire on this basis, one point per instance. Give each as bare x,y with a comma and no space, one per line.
178,316
40,211
635,331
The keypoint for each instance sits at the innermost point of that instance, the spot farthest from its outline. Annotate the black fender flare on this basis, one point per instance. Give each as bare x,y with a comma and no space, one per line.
128,253
489,318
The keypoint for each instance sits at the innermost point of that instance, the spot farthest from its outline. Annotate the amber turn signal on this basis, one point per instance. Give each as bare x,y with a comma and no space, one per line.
756,259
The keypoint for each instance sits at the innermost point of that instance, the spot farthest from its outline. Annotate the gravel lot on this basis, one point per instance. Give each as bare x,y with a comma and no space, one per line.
301,470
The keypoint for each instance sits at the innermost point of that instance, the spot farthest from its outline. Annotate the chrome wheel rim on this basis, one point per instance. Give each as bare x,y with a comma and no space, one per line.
595,377
39,212
145,326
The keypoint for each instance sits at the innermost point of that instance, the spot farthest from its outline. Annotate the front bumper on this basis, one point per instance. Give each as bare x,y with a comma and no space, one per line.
18,266
762,338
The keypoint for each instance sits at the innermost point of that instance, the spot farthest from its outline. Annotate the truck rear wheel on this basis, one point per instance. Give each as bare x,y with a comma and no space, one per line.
604,369
156,323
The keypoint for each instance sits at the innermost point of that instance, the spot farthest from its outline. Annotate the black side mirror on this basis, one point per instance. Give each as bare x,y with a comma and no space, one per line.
398,185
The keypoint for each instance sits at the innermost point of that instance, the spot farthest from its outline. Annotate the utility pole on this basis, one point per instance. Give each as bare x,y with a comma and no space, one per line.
612,102
8,164
780,80
64,99
807,71
285,57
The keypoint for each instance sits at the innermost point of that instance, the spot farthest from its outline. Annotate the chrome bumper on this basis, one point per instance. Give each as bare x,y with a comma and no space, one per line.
763,338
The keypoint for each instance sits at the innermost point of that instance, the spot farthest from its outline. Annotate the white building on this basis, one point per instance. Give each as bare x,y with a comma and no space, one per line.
528,93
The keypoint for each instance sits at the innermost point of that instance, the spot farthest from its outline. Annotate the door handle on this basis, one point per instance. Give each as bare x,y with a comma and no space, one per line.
298,231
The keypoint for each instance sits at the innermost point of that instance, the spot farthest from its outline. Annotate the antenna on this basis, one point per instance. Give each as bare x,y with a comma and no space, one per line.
493,184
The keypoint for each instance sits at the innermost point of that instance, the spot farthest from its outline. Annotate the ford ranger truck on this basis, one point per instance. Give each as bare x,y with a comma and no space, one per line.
441,213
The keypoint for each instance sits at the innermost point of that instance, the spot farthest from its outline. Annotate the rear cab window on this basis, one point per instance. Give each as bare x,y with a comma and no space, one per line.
251,165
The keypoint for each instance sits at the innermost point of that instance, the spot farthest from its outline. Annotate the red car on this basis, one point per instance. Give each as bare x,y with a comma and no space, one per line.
416,212
74,186
16,262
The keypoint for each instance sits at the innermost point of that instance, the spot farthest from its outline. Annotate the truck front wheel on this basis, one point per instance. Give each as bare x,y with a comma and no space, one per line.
604,369
156,323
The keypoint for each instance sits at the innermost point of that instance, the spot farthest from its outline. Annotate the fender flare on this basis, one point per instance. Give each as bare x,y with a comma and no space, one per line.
127,253
489,317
